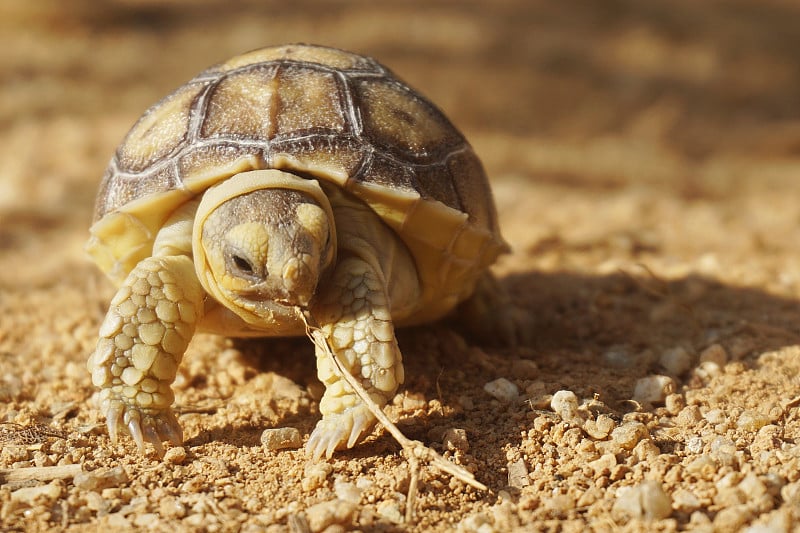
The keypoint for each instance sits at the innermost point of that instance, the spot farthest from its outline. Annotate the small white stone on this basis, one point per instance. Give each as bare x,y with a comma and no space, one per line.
685,501
647,501
175,456
30,496
603,465
707,370
694,445
676,360
518,474
653,389
101,478
716,416
281,438
752,421
348,492
565,404
628,435
715,353
390,510
325,514
502,389
96,502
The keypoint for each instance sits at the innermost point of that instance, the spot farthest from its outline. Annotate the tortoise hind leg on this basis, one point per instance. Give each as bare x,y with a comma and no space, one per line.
148,326
490,316
354,315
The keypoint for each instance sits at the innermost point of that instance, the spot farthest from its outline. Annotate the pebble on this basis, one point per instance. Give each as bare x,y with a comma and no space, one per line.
707,370
146,520
478,522
518,474
715,353
455,439
281,438
559,503
503,390
328,513
752,486
702,466
96,502
600,427
647,501
716,416
752,421
653,389
685,501
694,444
732,518
175,456
674,403
315,475
603,465
565,404
689,416
390,510
117,522
676,360
779,522
101,478
46,494
171,507
628,435
348,492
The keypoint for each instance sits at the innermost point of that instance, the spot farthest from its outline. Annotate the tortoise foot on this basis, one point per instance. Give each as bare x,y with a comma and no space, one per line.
143,425
337,431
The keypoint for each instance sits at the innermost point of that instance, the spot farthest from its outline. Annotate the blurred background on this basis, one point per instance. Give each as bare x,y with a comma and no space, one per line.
696,99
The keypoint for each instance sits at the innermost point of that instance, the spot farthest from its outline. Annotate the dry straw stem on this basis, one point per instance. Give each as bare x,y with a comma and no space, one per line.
415,451
38,473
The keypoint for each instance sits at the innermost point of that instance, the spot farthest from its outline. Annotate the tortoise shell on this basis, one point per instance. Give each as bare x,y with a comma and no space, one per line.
321,113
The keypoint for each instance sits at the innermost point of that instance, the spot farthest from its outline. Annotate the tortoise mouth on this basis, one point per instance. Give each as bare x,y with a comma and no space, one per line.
268,307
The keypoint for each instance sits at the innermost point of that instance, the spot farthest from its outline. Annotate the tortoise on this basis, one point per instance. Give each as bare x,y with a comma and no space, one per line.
289,179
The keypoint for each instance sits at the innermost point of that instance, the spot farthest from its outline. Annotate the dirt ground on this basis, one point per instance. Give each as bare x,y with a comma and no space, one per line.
644,157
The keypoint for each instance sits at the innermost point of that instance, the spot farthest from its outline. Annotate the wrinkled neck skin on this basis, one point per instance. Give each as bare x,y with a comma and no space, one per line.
262,240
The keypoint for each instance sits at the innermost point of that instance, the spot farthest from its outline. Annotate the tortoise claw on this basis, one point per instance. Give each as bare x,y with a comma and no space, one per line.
339,431
143,427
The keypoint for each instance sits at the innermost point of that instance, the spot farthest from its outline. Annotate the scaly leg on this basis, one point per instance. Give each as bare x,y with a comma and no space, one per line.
142,340
354,315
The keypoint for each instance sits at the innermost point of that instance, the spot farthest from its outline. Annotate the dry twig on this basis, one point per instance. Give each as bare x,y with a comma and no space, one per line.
38,473
415,451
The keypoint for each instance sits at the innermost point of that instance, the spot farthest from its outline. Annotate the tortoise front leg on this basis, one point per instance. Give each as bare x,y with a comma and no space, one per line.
353,312
142,340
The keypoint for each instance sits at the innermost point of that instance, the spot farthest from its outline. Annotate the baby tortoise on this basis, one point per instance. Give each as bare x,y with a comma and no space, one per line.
288,180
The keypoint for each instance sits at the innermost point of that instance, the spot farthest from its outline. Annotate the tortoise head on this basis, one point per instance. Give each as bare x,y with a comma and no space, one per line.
266,238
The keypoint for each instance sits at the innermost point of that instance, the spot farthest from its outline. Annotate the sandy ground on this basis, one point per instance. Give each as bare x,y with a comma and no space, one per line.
644,157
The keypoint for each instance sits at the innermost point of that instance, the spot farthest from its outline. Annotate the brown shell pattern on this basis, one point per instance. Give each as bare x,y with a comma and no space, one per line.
313,104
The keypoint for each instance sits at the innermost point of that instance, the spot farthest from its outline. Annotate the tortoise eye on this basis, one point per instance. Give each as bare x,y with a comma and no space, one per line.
242,264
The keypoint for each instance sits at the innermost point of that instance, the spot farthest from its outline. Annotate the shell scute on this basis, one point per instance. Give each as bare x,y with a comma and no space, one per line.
159,132
337,157
245,99
398,121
